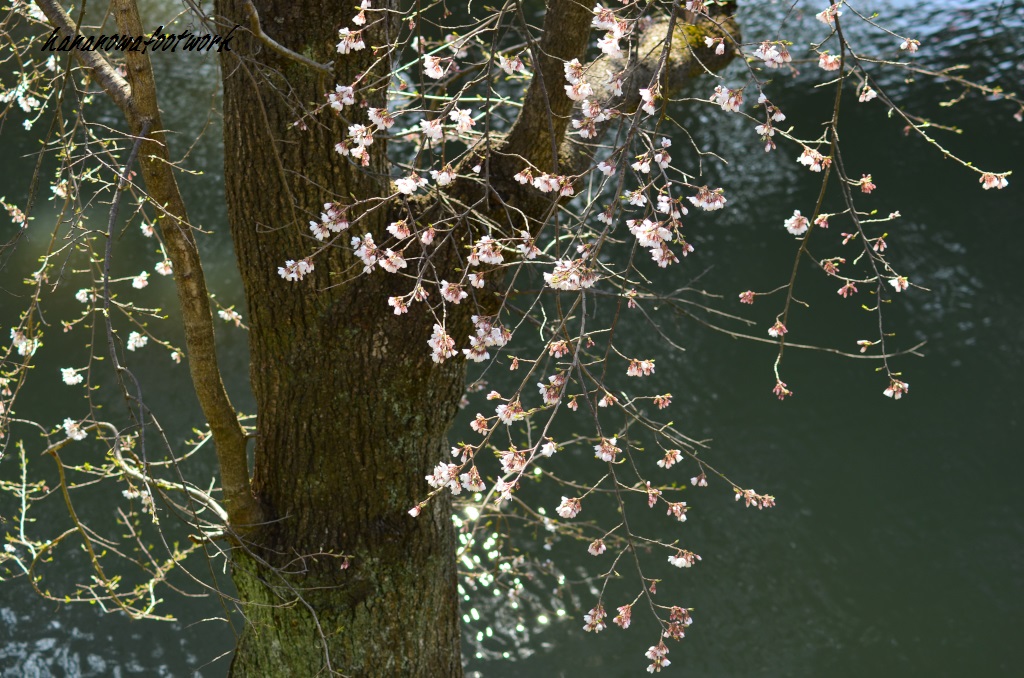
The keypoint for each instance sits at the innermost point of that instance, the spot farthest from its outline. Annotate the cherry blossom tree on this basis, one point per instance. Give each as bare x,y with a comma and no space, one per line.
416,193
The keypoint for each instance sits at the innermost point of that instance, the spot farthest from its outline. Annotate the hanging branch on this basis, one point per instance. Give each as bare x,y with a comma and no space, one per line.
138,101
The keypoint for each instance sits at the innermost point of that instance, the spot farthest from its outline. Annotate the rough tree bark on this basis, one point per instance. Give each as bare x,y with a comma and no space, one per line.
352,411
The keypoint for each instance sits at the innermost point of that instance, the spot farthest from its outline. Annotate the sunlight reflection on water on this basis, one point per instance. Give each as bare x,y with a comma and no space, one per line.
896,546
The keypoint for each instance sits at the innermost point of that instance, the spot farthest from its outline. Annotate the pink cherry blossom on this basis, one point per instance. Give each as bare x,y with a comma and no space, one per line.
350,41
442,346
485,250
527,248
652,495
546,183
360,135
709,200
559,348
684,558
512,460
780,390
678,510
594,619
510,413
609,44
71,376
679,619
135,340
360,18
671,458
366,250
295,270
996,181
391,261
728,99
432,129
623,618
896,389
453,292
568,508
712,42
640,368
343,95
570,275
604,18
831,266
579,90
432,67
443,177
398,304
472,480
636,198
380,117
463,119
648,96
410,184
797,224
573,71
656,653
399,229
829,15
899,283
606,450
774,54
510,66
445,475
479,424
813,160
829,62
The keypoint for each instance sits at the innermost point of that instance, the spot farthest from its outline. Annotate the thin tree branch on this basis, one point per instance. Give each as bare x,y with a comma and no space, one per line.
137,99
140,106
257,30
104,72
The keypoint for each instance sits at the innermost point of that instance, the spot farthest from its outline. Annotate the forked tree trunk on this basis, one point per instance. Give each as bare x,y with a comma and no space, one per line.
352,412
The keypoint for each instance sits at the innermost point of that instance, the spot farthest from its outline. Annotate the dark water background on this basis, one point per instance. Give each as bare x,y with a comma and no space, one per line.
897,547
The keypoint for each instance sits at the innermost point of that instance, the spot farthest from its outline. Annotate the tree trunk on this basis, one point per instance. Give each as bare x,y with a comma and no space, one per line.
352,412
